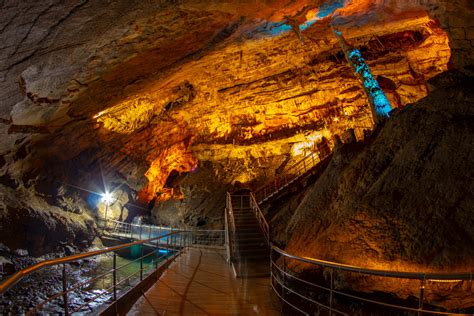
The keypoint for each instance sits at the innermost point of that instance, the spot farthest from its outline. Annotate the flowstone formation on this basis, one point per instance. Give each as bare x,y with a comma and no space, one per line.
149,99
402,200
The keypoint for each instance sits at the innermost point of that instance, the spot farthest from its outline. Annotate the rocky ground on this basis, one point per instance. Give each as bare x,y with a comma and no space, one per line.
402,199
46,282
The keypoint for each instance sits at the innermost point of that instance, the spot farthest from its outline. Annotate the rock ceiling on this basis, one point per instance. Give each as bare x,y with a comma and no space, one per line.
141,88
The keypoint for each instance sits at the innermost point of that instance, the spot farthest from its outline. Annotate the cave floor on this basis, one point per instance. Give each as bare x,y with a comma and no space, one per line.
200,282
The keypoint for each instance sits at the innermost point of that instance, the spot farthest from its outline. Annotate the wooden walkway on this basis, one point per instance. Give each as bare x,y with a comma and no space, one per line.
200,282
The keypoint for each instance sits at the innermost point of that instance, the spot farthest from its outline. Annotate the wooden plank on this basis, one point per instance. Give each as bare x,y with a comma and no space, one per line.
200,282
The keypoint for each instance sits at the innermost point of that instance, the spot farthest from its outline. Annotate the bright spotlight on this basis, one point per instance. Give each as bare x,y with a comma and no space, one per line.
107,198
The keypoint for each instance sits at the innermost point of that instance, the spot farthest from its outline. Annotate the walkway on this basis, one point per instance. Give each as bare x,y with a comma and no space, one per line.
200,282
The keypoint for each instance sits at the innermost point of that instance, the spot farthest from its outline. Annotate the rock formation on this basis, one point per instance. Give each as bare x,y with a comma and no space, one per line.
402,199
136,94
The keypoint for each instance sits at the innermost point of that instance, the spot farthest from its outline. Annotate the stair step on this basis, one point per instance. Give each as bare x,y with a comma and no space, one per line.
247,228
254,221
253,257
255,247
257,241
255,253
252,268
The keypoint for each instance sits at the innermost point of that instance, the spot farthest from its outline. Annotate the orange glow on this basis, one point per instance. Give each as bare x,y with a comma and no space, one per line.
176,158
279,104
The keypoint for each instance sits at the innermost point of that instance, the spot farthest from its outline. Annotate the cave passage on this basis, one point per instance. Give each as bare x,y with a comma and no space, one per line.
230,157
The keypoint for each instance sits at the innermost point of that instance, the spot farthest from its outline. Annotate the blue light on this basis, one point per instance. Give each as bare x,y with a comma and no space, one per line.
324,11
93,199
163,251
329,8
307,24
381,104
279,28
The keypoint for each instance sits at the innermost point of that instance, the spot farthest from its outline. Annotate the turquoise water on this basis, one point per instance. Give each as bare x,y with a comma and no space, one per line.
128,267
99,290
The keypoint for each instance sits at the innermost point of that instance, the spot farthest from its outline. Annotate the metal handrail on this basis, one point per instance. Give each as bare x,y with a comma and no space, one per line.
291,174
260,217
230,221
187,238
385,273
137,231
11,281
333,266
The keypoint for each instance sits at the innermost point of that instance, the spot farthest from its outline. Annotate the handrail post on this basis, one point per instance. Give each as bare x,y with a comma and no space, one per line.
114,275
422,292
65,299
226,227
159,234
331,292
284,278
271,263
141,262
140,232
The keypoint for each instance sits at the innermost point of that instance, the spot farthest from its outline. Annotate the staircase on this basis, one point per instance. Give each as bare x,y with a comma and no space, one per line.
308,165
250,255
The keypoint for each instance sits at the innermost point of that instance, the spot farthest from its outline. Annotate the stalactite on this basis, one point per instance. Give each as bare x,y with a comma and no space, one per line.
379,102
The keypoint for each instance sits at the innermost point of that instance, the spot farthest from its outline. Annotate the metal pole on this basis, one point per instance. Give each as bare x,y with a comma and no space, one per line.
141,262
65,300
106,210
114,276
157,256
422,293
271,263
140,232
331,294
284,277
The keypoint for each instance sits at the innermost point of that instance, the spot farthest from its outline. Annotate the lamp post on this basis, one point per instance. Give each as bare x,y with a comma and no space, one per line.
107,198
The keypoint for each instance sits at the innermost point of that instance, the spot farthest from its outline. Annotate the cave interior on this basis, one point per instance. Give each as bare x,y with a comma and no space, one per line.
349,122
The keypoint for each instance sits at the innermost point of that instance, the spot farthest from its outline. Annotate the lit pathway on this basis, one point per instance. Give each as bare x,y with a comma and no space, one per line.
200,282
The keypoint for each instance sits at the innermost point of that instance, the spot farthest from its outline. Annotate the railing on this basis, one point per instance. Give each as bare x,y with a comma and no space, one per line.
201,237
299,294
290,175
239,201
153,253
260,217
230,229
158,245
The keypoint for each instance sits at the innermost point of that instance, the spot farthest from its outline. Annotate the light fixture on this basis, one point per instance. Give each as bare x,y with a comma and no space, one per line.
107,198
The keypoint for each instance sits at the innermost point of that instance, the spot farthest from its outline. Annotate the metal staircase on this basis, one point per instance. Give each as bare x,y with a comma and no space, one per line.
306,166
249,253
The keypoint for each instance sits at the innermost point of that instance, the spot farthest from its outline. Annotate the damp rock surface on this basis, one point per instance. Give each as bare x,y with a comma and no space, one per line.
403,199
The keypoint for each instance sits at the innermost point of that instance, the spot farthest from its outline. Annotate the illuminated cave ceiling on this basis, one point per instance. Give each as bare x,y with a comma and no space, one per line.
143,89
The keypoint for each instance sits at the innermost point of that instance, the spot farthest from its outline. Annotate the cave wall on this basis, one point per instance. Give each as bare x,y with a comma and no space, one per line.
120,94
401,200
